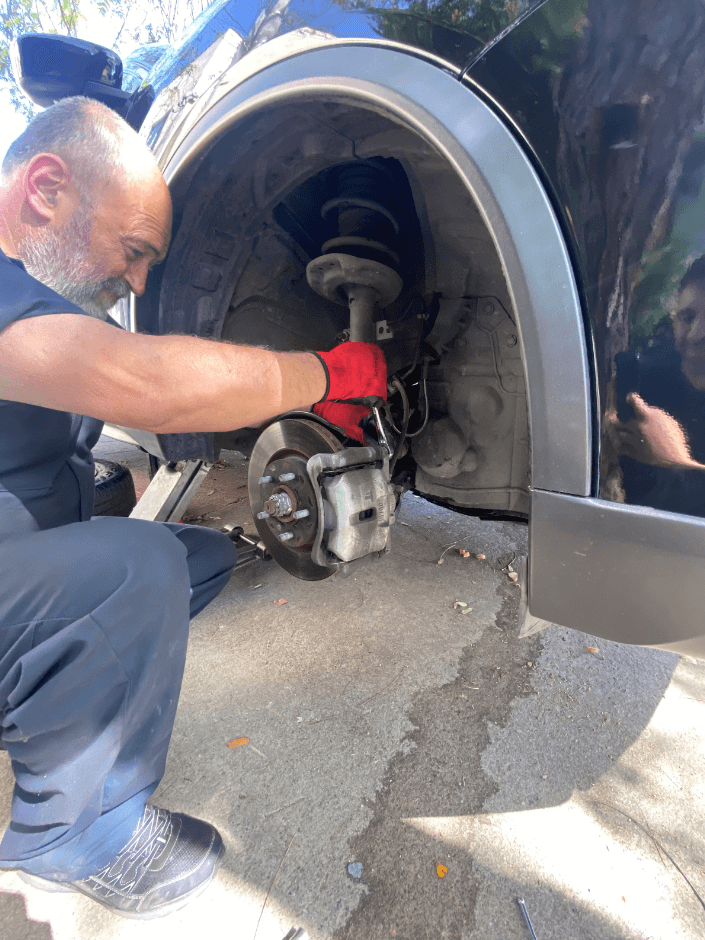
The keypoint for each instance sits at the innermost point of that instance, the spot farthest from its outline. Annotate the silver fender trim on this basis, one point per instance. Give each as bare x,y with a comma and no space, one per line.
626,573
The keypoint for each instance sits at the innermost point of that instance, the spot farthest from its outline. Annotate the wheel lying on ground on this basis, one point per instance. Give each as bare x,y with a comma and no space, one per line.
114,489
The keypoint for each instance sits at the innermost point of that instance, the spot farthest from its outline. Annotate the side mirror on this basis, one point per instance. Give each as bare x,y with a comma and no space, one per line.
48,67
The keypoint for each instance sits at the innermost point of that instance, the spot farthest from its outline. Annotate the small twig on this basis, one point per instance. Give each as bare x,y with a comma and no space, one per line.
453,546
656,843
272,885
282,808
317,721
375,694
258,752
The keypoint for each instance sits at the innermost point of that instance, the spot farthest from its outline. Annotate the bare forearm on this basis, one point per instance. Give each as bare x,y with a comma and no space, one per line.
156,383
198,385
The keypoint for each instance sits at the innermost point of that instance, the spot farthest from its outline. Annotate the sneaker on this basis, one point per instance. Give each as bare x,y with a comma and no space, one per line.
170,859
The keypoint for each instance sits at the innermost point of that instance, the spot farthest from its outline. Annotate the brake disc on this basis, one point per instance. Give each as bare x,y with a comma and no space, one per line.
279,486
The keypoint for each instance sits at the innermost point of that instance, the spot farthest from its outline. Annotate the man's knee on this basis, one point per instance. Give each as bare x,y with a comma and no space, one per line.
73,569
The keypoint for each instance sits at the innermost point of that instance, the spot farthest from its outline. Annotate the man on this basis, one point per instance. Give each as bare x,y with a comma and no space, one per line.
662,448
94,614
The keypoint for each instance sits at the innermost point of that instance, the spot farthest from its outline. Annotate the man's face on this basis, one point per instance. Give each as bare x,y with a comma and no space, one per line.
689,332
106,250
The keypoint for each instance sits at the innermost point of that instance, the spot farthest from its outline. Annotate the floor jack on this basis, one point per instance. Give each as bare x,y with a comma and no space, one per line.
169,495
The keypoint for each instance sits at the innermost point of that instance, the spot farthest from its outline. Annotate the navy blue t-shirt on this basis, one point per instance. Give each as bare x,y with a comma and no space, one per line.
46,465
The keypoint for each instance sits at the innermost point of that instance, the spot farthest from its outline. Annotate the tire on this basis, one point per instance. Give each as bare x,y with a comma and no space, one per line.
114,489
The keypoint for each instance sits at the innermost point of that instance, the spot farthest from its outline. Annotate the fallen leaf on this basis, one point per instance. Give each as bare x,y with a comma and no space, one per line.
458,604
593,649
236,742
441,871
513,576
624,899
481,557
440,561
210,492
282,600
468,610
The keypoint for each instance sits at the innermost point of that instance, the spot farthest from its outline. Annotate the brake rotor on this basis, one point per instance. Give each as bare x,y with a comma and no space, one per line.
279,485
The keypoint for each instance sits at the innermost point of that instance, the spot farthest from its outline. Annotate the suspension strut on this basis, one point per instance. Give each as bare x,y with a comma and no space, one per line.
358,266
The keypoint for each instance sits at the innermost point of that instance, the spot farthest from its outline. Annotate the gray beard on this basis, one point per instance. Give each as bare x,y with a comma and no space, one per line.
60,260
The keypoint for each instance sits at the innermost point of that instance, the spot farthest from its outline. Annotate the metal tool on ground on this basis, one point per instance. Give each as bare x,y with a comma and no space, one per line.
248,548
522,905
169,495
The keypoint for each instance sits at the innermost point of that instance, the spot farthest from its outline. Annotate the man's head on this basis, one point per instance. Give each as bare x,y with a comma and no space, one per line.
689,323
84,205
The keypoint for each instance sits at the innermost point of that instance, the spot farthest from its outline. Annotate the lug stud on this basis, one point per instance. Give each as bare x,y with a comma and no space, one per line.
287,477
263,515
264,480
285,536
301,514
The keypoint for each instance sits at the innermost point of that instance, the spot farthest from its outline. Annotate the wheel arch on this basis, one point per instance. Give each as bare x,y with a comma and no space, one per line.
508,192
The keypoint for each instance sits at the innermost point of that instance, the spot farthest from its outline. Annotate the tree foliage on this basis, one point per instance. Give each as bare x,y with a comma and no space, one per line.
31,16
119,24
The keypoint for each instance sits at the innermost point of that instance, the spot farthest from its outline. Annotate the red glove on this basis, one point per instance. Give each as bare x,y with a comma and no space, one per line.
346,417
353,370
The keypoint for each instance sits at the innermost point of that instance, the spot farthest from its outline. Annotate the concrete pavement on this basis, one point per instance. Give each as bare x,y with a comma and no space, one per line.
391,733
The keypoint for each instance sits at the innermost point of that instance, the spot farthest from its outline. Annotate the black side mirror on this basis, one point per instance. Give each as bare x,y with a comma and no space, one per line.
49,67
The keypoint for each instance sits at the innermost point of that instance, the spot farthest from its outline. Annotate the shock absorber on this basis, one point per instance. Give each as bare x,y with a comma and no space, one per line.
357,267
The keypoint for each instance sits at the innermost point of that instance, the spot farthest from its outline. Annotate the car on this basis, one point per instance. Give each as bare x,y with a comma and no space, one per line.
518,191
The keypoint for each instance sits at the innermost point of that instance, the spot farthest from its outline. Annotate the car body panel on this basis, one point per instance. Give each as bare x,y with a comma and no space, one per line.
605,101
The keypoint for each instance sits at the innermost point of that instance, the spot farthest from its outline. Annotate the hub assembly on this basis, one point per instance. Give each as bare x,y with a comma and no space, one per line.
282,499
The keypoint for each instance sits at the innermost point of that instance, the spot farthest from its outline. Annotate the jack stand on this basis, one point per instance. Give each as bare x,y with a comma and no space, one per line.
170,492
169,495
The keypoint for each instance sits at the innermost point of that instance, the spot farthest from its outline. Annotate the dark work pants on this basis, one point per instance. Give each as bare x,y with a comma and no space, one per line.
93,631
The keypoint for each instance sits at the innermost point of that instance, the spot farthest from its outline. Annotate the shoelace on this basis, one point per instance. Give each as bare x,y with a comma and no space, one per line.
146,844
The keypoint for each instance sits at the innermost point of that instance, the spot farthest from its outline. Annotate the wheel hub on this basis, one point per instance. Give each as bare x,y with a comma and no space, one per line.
281,495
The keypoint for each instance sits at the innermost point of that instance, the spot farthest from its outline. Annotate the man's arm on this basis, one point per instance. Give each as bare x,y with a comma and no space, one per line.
165,384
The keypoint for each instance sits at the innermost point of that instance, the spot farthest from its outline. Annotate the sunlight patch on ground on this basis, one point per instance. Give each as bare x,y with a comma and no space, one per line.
228,908
570,852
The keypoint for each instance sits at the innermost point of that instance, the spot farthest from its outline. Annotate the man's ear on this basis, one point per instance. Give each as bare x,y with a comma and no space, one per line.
47,186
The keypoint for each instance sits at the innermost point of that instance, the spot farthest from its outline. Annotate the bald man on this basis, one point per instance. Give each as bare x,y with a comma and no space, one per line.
94,613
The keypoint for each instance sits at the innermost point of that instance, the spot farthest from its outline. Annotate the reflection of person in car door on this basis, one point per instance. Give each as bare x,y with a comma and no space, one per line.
662,448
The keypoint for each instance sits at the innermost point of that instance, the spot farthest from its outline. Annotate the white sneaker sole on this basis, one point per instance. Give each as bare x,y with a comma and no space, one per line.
62,887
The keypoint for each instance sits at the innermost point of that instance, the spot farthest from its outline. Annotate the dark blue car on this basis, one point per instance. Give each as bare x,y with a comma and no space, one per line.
532,175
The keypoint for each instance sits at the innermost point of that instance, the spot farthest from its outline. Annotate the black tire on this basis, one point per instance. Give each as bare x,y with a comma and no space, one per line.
114,489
